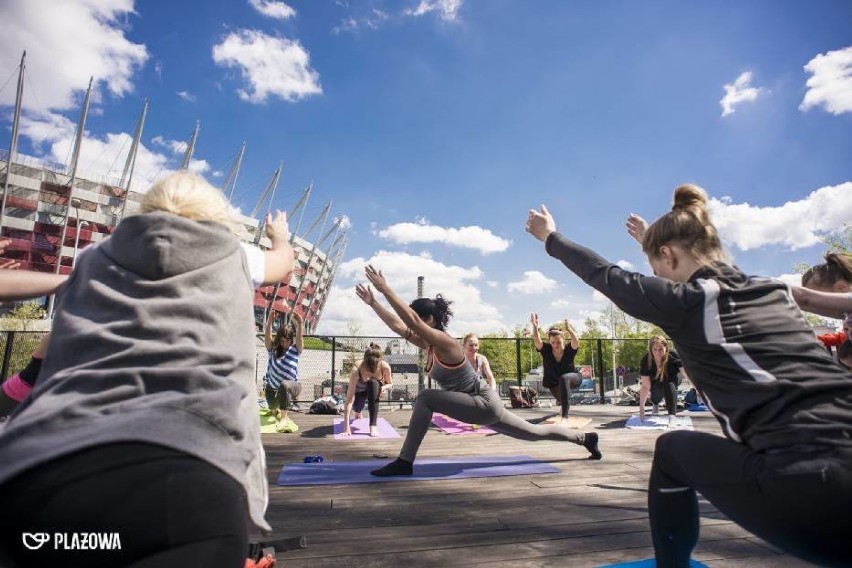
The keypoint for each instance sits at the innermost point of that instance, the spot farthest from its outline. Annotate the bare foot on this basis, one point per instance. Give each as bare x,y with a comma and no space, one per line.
374,432
357,416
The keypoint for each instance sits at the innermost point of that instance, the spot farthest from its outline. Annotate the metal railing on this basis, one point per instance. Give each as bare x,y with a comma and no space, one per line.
607,365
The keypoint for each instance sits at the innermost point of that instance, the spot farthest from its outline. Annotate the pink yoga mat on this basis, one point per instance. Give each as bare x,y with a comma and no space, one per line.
361,429
453,426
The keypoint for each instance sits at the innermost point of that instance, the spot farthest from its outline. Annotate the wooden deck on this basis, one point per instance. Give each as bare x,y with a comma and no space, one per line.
589,514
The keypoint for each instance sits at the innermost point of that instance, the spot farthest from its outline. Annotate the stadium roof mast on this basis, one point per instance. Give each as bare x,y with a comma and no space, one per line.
13,147
130,163
270,191
75,157
337,257
330,263
190,148
321,219
231,179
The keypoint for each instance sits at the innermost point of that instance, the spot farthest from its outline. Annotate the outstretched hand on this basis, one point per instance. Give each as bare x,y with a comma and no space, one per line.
377,279
276,228
366,294
636,227
534,319
540,223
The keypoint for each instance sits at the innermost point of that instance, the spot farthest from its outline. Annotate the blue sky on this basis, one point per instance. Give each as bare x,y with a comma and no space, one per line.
434,125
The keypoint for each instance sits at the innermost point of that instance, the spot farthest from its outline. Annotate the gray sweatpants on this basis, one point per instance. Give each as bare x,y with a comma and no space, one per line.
483,408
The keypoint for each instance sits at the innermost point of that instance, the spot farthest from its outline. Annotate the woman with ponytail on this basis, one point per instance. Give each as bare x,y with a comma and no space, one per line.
784,468
464,395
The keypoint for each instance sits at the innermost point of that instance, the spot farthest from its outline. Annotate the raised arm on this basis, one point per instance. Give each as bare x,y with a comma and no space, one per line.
536,336
828,304
299,326
648,298
447,347
279,261
26,284
575,341
389,318
267,330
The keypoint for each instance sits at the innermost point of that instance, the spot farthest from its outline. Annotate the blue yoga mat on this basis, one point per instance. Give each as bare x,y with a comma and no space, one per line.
327,473
648,563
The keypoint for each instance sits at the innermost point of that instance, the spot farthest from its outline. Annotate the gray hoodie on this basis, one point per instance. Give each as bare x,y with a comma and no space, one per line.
153,342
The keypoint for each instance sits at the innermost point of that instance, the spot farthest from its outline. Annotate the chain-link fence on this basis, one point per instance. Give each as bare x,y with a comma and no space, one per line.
607,365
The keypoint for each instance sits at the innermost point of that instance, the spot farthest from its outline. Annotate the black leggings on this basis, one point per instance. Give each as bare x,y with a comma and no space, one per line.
562,391
800,503
664,390
371,397
168,508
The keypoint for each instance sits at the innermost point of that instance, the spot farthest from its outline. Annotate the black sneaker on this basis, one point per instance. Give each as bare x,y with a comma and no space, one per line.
590,442
397,467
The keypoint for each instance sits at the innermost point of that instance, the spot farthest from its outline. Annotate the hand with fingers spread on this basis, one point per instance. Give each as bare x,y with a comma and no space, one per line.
636,227
276,228
377,279
366,294
534,319
540,223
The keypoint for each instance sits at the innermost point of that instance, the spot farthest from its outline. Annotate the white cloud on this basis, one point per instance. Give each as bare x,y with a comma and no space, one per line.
739,92
790,279
455,283
273,9
217,174
102,157
372,21
67,42
795,224
272,66
830,84
625,264
561,303
598,297
176,146
448,10
472,237
533,282
492,283
345,222
187,96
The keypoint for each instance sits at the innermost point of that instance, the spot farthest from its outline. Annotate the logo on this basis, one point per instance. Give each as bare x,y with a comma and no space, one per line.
34,541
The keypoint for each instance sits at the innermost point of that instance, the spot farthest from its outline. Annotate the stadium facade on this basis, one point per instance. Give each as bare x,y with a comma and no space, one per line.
51,211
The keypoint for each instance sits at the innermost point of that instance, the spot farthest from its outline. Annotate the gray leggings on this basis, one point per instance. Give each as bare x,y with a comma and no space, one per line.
485,408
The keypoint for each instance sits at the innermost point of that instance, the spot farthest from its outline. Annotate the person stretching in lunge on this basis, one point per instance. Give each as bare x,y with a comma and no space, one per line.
784,468
464,397
558,362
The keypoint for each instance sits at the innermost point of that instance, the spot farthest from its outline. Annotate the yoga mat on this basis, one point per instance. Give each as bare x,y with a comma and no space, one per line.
453,426
649,563
267,425
424,469
659,422
361,429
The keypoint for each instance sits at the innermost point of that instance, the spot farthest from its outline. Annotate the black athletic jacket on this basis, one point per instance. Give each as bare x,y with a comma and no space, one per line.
744,343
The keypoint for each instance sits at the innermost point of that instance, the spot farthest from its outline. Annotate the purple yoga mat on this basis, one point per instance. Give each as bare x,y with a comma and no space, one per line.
453,426
361,429
331,473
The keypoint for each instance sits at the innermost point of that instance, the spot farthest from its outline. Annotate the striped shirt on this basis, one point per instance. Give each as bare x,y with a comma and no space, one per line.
284,368
744,343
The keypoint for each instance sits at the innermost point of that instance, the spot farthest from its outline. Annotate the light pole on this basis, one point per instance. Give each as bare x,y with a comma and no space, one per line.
75,203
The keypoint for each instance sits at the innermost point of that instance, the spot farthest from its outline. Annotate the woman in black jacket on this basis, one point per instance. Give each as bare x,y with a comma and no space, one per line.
784,468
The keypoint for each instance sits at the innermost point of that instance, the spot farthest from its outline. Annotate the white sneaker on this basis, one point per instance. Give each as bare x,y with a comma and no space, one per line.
655,409
672,421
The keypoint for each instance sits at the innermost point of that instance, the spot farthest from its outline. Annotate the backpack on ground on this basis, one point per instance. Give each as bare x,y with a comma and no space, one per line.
522,397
